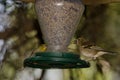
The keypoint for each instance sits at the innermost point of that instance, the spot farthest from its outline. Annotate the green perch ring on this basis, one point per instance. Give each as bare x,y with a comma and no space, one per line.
60,60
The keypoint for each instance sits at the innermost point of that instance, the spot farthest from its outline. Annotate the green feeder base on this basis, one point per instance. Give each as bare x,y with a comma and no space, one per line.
62,60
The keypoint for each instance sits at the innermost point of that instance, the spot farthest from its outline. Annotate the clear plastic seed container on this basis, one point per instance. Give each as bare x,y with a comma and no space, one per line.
58,21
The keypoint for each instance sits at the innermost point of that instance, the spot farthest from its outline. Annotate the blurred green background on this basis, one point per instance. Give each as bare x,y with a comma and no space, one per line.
21,36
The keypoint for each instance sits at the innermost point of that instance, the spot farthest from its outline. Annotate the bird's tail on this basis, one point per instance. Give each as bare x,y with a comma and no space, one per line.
111,52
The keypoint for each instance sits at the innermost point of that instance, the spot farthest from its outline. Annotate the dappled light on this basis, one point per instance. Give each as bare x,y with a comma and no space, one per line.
21,38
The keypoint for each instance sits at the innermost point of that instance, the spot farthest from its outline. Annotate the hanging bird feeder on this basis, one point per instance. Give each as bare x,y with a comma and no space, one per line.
58,21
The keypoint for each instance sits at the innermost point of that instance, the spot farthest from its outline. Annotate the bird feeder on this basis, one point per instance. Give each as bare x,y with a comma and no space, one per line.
58,21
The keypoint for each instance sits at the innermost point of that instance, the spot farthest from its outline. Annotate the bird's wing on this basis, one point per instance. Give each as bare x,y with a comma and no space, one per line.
103,51
96,48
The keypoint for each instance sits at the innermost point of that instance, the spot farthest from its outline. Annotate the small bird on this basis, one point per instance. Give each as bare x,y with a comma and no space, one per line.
90,50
